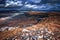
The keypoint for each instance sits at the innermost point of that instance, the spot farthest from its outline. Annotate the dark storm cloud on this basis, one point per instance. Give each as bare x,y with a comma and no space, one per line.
33,5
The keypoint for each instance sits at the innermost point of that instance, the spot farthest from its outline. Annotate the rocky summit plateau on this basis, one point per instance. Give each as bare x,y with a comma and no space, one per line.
30,26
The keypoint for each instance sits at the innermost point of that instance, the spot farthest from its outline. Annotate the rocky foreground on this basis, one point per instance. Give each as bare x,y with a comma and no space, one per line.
32,29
